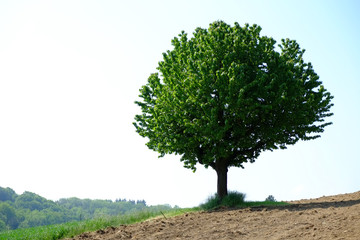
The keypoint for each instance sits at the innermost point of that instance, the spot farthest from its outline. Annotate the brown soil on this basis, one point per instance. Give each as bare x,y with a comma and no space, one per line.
334,217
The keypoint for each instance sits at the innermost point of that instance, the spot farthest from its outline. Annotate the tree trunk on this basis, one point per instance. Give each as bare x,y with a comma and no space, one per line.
221,170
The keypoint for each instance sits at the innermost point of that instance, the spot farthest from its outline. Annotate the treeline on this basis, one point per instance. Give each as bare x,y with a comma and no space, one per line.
31,210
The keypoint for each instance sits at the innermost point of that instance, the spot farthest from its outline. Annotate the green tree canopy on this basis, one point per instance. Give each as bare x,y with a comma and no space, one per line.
226,94
32,201
7,194
30,210
8,216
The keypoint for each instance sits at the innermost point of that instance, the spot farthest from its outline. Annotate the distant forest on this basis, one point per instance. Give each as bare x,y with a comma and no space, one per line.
31,210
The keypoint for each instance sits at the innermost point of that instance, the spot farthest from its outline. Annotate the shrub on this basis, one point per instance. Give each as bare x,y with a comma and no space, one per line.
270,198
233,199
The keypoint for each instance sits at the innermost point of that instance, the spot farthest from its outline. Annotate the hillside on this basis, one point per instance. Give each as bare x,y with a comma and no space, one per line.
333,217
30,210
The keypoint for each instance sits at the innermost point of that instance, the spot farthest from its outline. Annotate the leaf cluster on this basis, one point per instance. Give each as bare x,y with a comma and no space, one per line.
226,94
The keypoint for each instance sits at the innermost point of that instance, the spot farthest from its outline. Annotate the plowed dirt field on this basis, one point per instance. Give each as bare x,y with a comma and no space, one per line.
332,217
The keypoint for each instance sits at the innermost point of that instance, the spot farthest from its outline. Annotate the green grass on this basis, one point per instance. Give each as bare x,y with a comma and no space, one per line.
71,229
235,200
66,230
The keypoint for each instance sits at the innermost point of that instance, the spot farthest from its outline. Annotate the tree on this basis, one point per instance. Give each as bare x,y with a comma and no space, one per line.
141,202
7,194
270,198
32,201
226,94
8,215
2,225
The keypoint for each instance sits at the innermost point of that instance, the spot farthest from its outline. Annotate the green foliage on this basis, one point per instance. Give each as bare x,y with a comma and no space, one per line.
7,194
29,210
211,203
8,216
71,229
270,198
223,96
227,94
233,199
2,225
32,201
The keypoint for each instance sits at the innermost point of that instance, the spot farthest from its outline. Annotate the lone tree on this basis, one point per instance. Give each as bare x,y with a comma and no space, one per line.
225,95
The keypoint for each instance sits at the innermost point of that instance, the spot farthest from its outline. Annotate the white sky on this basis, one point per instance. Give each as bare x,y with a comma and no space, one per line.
70,73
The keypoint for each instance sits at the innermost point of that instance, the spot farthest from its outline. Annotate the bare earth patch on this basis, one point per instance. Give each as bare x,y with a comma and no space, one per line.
333,217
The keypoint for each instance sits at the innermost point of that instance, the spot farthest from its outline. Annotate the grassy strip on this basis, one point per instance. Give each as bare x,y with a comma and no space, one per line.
67,230
235,200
